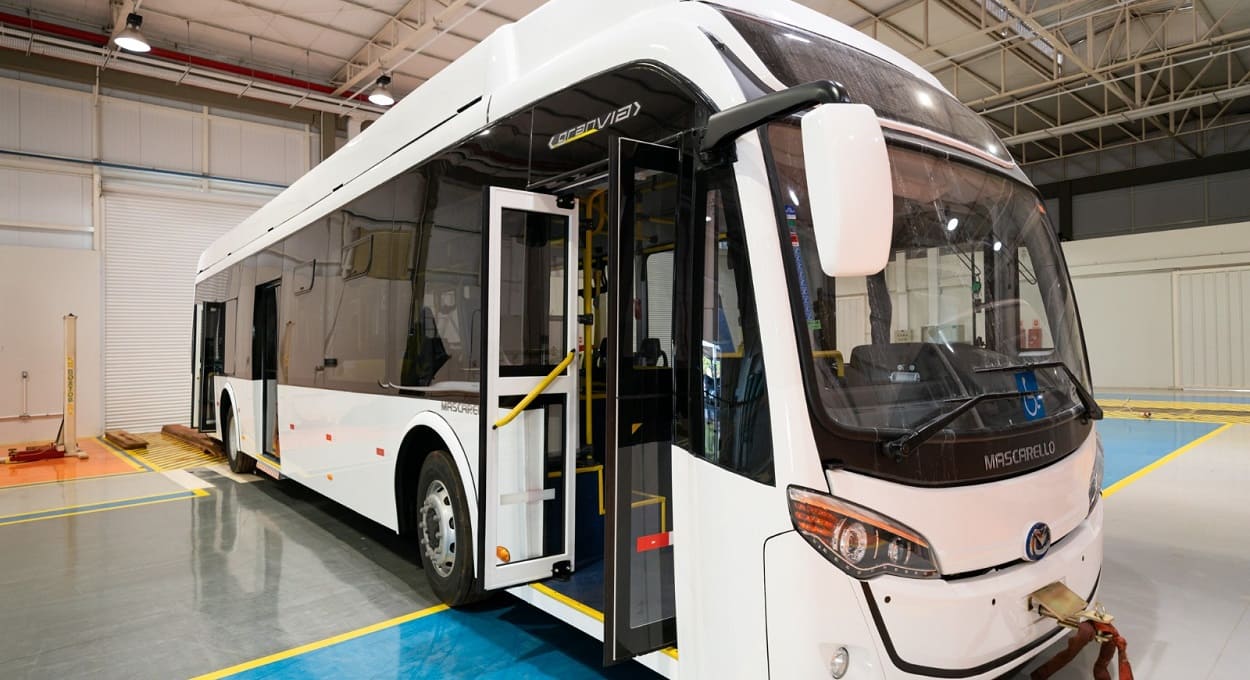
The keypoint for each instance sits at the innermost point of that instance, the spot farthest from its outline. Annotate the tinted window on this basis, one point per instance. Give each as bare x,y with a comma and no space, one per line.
796,56
732,396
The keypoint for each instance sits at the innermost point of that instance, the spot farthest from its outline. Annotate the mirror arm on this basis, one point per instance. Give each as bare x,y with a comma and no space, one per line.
726,126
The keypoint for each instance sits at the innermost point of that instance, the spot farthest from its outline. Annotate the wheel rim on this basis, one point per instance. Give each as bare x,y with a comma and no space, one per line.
438,529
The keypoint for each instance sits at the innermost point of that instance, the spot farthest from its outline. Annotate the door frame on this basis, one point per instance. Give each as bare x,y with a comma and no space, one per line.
494,386
259,365
621,642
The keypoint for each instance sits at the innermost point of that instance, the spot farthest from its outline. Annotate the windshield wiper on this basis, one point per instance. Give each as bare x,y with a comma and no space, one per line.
903,446
1092,409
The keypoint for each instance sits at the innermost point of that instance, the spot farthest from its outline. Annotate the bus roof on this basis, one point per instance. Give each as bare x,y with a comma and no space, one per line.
464,91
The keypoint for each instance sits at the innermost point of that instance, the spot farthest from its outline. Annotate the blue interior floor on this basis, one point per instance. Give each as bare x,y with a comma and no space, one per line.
585,586
1130,445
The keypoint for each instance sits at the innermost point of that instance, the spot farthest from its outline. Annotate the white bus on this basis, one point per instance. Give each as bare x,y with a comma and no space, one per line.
711,327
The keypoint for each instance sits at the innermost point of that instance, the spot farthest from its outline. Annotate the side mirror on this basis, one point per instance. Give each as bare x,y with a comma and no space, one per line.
849,188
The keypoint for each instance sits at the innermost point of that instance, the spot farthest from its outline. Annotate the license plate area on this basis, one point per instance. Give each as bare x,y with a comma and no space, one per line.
1059,602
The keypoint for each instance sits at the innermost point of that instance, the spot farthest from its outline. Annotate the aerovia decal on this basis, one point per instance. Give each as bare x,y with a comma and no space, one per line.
594,125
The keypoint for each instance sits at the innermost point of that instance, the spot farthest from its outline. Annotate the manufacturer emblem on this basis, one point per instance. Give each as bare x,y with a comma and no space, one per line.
1037,542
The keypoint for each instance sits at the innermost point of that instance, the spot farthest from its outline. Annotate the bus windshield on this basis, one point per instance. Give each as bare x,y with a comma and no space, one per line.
974,293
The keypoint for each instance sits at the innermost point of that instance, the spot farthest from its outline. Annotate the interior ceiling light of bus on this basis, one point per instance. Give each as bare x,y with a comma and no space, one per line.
1017,26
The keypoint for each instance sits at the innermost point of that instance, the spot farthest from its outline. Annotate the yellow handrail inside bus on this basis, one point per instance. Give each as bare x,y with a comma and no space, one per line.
588,331
538,389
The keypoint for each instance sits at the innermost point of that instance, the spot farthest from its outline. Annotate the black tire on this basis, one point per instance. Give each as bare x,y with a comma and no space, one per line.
440,504
240,463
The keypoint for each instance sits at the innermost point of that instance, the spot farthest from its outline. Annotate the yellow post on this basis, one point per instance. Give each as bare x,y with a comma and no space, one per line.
69,436
588,332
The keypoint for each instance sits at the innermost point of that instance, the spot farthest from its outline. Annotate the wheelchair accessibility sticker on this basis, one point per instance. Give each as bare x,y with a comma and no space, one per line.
1034,407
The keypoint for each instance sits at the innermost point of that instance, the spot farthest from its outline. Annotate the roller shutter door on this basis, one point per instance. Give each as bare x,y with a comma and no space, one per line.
152,245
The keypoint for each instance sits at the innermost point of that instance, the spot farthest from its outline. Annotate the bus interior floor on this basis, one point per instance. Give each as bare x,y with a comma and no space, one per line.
201,573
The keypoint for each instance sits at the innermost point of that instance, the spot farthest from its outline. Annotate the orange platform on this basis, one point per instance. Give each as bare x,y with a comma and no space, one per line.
101,461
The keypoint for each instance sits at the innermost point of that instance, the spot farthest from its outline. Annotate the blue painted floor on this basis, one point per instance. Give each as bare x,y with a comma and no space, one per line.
1130,445
501,639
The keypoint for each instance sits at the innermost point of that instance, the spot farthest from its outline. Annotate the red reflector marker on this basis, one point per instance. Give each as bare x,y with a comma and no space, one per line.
381,452
653,541
329,437
292,426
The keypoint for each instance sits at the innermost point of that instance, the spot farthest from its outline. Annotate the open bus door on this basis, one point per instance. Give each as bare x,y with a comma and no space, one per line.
209,360
649,185
528,453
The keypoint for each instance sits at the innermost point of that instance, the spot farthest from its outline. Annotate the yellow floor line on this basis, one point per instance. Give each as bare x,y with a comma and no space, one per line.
583,608
1162,461
125,455
166,453
1185,411
312,646
70,512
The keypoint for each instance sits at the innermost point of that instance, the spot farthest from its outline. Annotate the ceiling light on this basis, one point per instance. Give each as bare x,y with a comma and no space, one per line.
381,94
131,38
998,245
952,224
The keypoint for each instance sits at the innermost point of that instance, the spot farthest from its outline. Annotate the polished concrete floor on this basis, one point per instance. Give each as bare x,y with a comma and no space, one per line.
150,574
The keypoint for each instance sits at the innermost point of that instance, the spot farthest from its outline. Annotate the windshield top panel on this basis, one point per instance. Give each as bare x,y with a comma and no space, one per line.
796,56
975,284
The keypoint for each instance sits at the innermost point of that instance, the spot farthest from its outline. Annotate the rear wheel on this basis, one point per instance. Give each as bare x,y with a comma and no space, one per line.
239,461
443,531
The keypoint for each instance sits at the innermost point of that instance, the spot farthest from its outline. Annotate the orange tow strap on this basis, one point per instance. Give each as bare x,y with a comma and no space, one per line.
1112,642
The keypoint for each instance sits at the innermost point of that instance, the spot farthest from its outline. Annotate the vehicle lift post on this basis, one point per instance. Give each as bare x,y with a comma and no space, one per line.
66,444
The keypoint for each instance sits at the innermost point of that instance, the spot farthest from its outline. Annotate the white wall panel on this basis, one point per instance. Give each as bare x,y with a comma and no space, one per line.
1128,328
256,152
1124,286
1213,327
38,286
151,247
54,121
33,197
150,136
10,108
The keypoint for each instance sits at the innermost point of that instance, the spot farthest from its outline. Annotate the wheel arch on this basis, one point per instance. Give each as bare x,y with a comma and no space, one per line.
227,399
427,433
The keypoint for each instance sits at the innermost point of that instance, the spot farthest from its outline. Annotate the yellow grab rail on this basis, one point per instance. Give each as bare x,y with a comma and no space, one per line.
538,389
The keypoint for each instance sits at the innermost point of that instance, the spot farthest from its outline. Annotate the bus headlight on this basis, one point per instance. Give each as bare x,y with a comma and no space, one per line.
1095,475
859,541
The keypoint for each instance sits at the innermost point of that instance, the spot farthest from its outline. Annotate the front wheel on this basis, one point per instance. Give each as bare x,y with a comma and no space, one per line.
240,462
444,534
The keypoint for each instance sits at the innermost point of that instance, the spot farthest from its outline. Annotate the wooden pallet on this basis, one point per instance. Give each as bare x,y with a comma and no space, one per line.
124,440
194,438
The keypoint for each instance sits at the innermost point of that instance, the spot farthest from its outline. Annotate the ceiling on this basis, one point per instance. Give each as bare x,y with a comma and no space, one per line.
1053,77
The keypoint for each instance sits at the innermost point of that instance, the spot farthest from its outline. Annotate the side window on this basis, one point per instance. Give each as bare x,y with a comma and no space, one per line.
369,256
443,301
731,401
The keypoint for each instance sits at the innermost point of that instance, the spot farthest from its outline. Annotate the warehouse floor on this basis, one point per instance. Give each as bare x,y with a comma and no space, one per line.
124,567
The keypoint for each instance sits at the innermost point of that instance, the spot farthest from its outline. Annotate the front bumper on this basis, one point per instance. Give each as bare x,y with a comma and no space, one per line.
975,627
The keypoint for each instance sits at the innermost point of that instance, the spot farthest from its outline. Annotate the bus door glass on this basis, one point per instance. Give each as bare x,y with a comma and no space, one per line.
530,390
647,185
210,361
265,361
